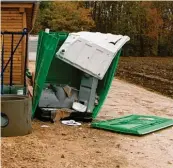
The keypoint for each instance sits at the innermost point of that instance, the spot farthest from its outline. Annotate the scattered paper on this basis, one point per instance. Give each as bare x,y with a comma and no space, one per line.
70,122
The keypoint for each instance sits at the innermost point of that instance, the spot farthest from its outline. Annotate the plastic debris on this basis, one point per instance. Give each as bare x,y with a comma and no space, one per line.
79,107
70,122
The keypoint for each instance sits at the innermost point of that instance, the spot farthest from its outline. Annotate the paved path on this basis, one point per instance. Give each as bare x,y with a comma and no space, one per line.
32,47
125,98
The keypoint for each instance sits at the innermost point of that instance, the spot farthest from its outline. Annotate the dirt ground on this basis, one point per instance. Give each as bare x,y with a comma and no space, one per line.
155,73
60,146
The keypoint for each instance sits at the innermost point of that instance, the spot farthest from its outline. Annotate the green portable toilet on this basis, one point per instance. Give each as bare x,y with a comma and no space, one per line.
58,71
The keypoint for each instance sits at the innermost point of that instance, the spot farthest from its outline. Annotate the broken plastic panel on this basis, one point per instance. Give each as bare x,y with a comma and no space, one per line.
134,124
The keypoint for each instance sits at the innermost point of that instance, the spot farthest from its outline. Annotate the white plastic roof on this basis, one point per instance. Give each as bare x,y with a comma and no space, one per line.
104,40
91,52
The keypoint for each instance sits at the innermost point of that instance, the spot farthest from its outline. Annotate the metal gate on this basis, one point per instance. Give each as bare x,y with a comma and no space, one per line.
13,49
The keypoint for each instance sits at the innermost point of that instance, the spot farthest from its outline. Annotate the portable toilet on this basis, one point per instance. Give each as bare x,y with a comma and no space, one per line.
63,69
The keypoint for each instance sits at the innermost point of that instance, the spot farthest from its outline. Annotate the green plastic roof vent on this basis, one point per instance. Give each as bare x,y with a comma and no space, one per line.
134,124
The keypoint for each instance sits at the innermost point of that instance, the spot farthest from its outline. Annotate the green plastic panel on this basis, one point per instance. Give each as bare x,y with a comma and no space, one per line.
60,72
47,47
134,124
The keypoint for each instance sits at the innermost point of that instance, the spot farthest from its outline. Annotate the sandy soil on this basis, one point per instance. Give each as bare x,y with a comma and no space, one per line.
60,146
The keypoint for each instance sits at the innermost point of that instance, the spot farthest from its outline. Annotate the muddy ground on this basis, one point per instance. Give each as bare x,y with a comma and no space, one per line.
60,146
155,73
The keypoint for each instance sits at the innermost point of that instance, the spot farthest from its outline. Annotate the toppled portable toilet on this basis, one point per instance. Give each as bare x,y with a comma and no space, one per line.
75,70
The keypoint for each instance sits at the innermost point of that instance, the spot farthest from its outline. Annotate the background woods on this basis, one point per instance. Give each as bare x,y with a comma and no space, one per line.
149,24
